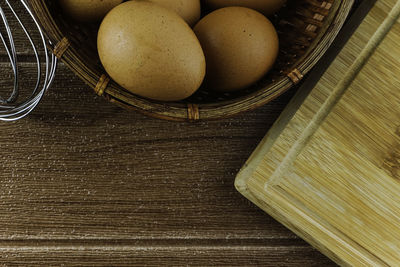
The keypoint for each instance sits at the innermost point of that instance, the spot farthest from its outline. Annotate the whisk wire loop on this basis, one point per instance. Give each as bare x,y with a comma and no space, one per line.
11,108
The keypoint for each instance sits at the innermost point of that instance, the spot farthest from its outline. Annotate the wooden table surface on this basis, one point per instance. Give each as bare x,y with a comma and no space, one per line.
86,183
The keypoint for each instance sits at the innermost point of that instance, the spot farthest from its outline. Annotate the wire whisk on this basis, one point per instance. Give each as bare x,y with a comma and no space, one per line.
11,107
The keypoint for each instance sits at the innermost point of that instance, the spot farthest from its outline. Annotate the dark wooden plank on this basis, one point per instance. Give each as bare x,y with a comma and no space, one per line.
114,255
83,182
79,167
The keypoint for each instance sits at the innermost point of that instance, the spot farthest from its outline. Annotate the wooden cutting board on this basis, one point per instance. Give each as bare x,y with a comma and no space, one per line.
329,169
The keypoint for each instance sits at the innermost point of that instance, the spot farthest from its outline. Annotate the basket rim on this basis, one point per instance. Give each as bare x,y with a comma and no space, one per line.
193,112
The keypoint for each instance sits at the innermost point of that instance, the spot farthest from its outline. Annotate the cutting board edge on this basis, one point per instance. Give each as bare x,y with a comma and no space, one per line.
257,156
285,222
268,141
314,76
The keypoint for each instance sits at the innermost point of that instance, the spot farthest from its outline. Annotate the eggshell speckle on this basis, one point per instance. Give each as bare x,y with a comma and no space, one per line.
189,10
151,51
240,45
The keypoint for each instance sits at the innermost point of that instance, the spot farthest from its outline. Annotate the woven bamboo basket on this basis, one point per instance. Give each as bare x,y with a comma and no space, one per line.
306,29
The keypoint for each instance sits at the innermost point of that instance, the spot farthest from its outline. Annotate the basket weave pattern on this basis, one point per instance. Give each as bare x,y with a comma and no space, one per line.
306,29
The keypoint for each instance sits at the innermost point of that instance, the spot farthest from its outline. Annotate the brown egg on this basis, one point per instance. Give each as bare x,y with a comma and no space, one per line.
189,10
88,10
240,45
151,51
267,7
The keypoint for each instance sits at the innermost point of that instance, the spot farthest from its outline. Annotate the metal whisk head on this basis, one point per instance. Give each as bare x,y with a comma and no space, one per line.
12,108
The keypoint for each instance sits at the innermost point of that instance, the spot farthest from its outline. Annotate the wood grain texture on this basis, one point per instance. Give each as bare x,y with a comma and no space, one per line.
341,191
86,183
83,182
160,256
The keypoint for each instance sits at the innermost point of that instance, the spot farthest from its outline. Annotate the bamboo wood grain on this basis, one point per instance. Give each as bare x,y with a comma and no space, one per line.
335,95
339,190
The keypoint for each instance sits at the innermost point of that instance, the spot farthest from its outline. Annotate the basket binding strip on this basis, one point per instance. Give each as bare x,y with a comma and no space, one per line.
306,30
